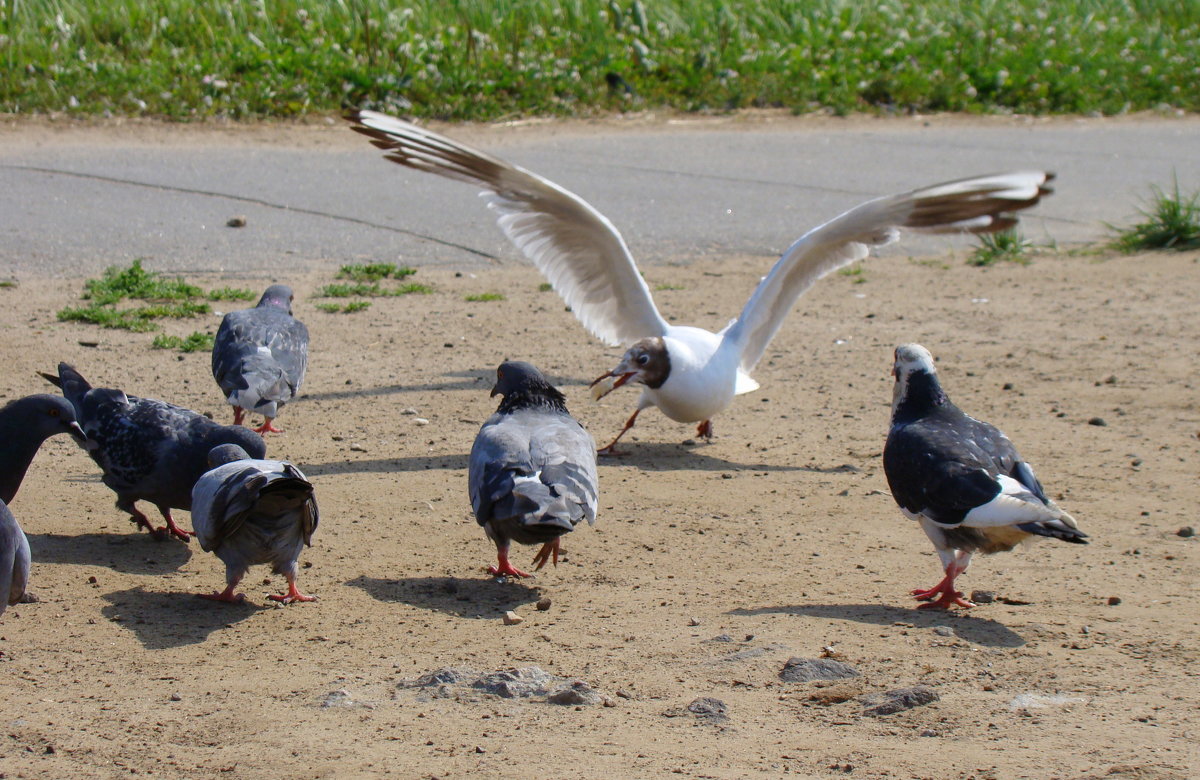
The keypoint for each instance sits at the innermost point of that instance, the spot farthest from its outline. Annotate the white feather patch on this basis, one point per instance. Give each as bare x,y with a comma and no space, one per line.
1013,505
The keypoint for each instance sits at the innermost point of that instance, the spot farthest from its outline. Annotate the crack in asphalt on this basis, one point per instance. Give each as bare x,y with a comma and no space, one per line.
257,202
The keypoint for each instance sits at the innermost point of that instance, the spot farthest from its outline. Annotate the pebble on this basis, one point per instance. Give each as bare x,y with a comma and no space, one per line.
420,421
238,221
983,596
798,669
693,621
577,693
708,708
338,698
544,603
928,733
889,702
356,447
408,410
1187,532
1099,421
943,630
176,697
512,618
1114,601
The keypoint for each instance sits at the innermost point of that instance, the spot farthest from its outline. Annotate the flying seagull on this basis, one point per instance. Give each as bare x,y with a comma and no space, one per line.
532,470
689,373
149,450
960,478
250,511
259,357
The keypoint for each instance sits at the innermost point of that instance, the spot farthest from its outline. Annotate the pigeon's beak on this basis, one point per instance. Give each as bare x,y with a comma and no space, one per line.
495,391
76,432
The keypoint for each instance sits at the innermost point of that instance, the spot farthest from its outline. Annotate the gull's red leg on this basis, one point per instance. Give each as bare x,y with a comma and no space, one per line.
611,449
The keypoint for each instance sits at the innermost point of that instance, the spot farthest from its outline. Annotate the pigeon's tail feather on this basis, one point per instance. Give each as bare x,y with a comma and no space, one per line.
72,383
1064,527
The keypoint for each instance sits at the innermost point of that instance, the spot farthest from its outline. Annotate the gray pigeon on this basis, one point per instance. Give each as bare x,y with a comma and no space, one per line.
260,356
960,478
148,450
532,470
253,511
24,425
14,559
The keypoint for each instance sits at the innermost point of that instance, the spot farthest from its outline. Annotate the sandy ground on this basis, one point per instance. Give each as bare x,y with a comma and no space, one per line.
711,564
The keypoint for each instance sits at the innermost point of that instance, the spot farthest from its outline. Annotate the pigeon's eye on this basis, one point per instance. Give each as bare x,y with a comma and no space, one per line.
643,359
54,413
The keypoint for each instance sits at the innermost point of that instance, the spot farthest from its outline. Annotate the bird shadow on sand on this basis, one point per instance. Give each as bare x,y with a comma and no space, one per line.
131,553
455,380
981,631
387,465
165,620
469,598
664,456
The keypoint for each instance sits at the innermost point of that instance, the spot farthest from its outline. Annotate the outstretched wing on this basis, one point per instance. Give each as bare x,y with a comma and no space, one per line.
578,250
981,204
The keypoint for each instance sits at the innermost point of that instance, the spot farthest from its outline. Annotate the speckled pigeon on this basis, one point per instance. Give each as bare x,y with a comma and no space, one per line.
260,355
532,470
149,450
250,511
960,478
24,424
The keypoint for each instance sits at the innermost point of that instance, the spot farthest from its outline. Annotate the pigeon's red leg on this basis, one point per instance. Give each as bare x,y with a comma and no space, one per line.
704,429
139,519
549,551
611,449
946,595
293,593
227,595
239,414
504,568
266,427
171,529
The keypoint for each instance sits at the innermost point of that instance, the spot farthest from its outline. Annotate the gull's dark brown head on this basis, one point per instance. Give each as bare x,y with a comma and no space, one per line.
646,362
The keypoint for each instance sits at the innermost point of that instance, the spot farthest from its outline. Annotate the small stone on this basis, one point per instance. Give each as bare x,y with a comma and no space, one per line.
720,638
624,694
1008,386
889,702
928,733
693,621
479,749
338,437
1114,601
983,596
238,221
29,597
577,693
1098,421
708,708
800,670
544,603
356,447
943,630
176,697
512,618
1187,532
338,698
420,421
50,750
408,410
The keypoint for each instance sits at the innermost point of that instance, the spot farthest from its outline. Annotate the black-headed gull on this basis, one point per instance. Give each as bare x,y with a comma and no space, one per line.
532,471
689,373
149,450
259,357
250,511
960,478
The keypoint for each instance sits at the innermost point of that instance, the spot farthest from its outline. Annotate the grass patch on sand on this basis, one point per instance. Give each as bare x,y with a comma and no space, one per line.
195,342
1008,245
1171,221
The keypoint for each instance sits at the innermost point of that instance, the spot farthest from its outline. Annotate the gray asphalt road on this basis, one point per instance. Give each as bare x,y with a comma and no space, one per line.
73,204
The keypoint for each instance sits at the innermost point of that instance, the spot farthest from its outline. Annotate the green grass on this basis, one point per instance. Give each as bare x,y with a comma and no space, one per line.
1007,245
344,308
1172,221
370,290
545,287
139,320
196,342
373,272
495,59
230,294
666,286
481,297
856,273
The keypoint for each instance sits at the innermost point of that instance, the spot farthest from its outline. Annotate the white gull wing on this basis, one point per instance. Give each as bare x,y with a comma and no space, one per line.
982,204
577,249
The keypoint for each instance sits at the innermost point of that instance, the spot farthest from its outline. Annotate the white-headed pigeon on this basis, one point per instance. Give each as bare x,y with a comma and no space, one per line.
960,478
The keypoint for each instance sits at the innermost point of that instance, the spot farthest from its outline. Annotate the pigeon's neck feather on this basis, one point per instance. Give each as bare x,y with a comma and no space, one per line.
922,397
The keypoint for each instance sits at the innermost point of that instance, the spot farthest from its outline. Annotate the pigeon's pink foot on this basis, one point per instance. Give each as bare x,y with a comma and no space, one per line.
266,427
293,594
504,568
944,593
227,596
171,529
549,551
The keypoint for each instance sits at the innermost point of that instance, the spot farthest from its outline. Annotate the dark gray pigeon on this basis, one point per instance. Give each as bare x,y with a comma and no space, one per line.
149,450
960,478
532,470
24,424
14,559
260,356
250,511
